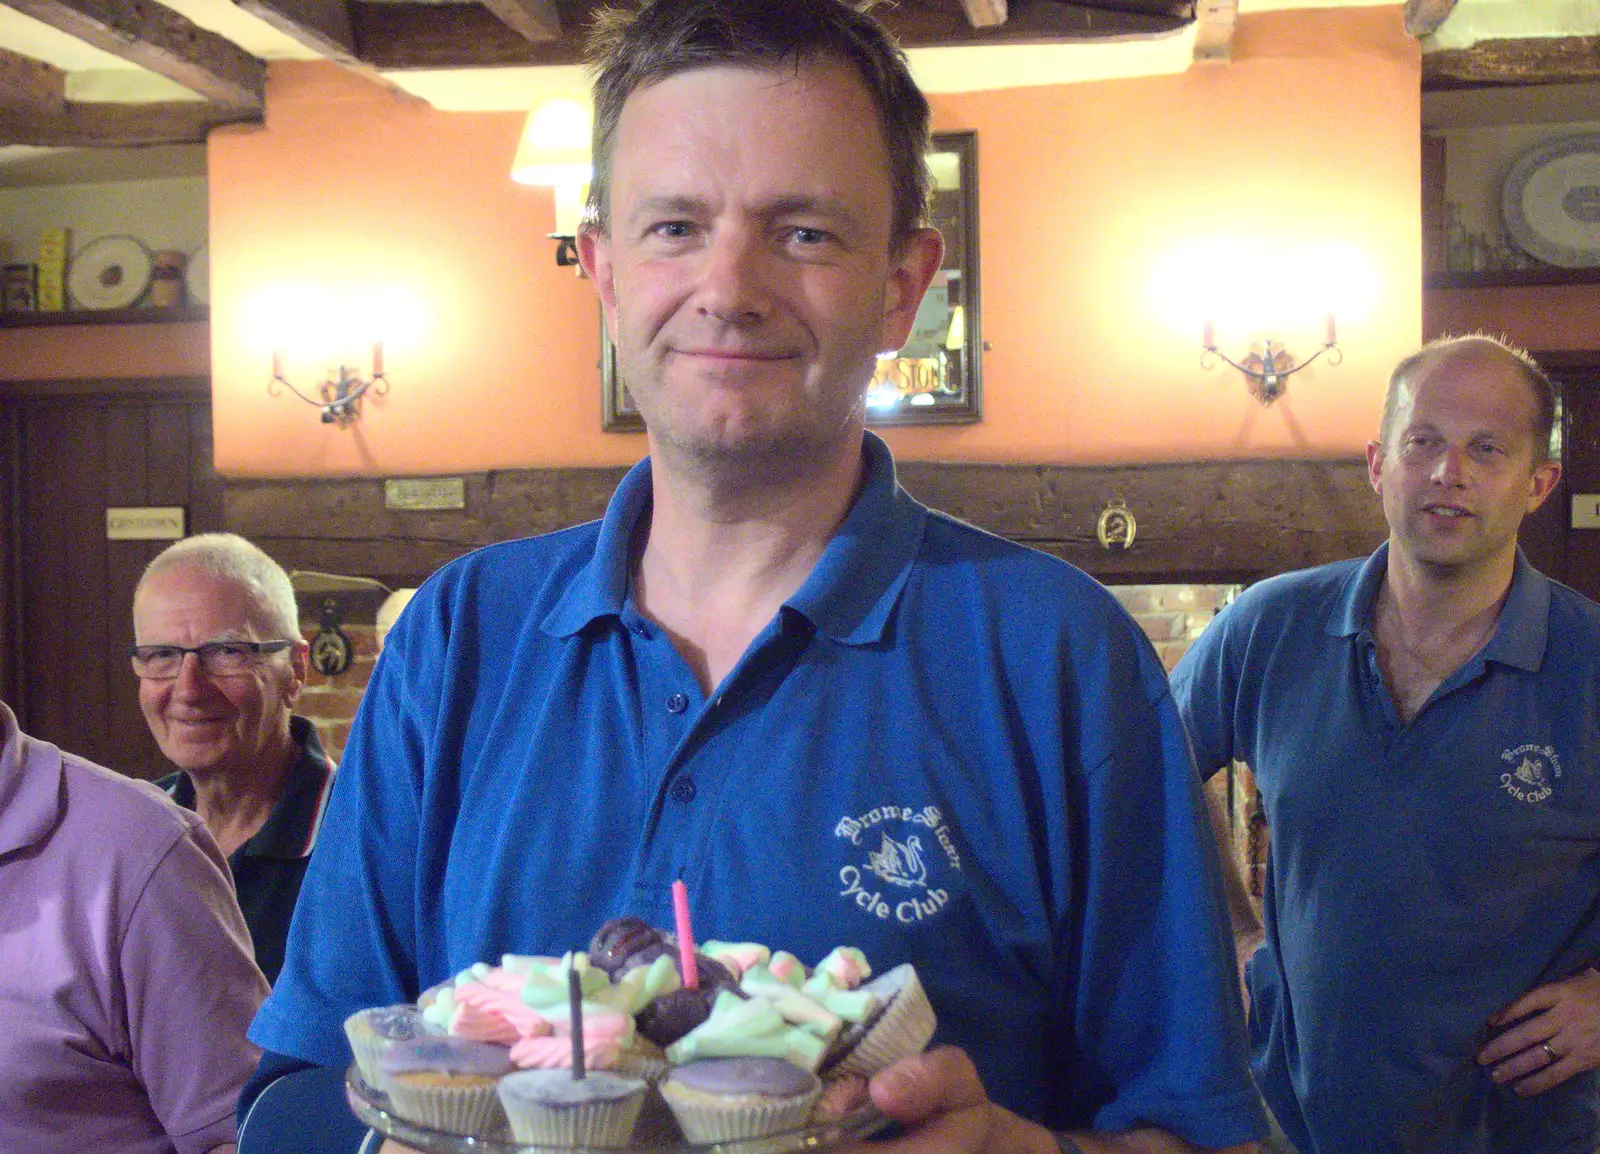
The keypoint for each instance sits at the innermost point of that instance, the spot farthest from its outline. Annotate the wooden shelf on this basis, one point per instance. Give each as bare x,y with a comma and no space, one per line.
1514,278
134,316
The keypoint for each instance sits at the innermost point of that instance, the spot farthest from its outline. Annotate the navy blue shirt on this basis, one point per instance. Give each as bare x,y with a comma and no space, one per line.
268,868
1421,876
945,749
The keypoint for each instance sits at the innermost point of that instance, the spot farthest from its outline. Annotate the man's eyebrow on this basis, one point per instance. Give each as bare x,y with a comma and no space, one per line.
666,205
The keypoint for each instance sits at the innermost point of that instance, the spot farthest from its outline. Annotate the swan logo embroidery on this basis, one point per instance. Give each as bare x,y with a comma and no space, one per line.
892,880
1533,772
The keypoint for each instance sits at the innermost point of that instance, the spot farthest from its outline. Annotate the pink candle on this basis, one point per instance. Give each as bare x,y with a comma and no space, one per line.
680,911
277,363
1208,337
377,359
1329,335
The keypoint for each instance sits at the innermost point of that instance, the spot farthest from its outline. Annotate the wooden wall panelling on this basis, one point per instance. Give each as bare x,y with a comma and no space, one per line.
1233,521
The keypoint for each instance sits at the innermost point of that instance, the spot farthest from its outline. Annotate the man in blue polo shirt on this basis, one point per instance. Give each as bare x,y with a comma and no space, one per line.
1424,727
839,717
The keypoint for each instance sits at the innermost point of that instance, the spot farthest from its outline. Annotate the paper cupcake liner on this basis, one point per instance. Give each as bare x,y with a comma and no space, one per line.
587,1124
368,1049
453,1109
904,1028
705,1119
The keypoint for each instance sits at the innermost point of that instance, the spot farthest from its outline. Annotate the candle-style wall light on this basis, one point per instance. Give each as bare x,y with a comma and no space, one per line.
339,394
1268,366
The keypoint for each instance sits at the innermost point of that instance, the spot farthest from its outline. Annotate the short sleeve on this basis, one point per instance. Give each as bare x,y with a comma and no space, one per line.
353,940
192,989
1205,688
1160,1035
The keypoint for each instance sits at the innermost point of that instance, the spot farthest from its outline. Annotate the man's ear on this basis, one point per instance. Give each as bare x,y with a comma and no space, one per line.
911,271
1542,483
300,668
594,255
1375,466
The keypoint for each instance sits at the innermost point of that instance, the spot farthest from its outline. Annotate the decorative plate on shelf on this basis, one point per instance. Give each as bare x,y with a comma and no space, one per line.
110,272
197,275
1551,201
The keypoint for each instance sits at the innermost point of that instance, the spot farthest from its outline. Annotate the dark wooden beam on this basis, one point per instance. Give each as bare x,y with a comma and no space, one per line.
320,25
1423,17
160,40
535,20
1239,520
395,36
120,125
31,86
1534,60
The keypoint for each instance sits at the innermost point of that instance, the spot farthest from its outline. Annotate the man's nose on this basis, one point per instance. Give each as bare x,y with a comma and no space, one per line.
191,677
1451,465
733,286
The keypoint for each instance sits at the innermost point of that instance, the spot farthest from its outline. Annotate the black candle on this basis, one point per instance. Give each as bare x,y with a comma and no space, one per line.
575,1006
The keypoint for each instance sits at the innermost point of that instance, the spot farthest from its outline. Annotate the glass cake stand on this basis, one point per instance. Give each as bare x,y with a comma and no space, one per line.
372,1106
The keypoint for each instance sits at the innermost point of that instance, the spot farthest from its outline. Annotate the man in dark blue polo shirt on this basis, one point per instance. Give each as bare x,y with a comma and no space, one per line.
839,717
1424,727
220,662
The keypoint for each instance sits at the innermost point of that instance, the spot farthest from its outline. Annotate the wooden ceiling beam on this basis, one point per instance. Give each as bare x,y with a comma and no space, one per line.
533,20
91,125
1533,60
396,36
320,25
1423,17
985,13
157,38
30,86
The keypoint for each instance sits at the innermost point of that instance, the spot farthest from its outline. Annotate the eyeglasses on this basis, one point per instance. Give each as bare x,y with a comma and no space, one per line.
218,658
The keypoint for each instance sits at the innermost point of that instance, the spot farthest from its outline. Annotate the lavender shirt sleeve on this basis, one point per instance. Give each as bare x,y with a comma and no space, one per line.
192,988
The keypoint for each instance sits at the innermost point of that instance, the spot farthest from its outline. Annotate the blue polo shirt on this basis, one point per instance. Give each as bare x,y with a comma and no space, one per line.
945,749
1422,876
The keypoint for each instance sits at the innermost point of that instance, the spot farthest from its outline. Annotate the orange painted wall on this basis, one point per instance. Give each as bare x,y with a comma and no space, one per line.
104,352
1310,134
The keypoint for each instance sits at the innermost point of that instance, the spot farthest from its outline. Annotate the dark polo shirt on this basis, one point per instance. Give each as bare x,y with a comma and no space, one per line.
268,868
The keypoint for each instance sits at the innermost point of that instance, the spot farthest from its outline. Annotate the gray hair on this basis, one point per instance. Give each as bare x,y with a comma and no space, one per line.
231,558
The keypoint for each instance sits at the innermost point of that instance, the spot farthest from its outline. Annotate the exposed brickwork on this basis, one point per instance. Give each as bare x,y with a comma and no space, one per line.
330,702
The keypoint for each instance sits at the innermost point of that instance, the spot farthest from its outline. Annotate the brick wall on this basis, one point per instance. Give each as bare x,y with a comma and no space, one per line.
330,702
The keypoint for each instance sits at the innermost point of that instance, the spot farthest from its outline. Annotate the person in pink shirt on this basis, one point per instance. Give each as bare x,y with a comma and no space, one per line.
126,980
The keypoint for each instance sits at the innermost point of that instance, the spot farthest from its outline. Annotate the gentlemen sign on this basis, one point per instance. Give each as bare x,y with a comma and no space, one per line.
145,523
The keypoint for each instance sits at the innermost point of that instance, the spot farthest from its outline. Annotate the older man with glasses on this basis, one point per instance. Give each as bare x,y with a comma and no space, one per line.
221,662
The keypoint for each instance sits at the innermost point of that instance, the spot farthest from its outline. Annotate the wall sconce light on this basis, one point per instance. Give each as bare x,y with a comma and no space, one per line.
340,394
1267,366
554,152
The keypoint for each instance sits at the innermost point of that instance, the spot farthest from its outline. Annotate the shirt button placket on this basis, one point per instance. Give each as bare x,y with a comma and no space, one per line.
682,789
677,703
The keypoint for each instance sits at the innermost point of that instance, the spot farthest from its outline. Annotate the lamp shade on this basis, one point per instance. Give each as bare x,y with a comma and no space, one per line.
554,149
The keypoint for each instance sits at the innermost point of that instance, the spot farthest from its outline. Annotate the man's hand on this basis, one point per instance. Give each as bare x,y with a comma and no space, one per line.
938,1097
1560,1039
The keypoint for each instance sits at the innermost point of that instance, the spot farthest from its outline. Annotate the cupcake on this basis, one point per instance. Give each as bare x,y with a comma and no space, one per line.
902,1026
552,1108
727,1099
445,1083
371,1031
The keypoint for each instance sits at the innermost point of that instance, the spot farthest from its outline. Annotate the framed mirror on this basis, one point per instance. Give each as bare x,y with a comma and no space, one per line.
935,378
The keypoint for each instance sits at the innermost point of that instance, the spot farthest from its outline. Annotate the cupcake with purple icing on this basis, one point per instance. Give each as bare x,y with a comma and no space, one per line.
371,1032
727,1099
445,1083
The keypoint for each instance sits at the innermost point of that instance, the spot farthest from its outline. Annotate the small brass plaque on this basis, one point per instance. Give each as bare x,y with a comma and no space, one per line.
426,493
145,523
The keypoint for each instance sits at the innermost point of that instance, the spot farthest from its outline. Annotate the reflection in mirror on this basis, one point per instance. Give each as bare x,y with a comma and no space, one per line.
934,378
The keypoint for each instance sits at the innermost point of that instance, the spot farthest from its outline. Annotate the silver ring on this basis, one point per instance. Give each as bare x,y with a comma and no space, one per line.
1548,1052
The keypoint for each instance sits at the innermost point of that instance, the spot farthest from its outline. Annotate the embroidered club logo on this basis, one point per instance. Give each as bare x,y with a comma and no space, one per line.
903,853
1531,774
